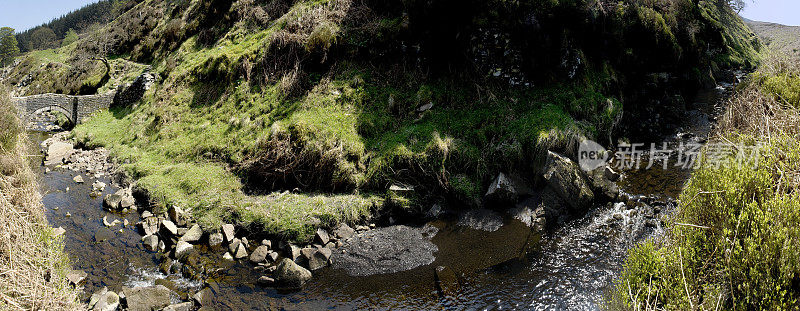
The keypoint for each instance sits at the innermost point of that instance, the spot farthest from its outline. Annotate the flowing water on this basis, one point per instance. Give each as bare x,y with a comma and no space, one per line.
508,268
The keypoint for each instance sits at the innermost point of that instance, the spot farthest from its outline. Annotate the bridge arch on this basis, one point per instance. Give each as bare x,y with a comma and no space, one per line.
67,112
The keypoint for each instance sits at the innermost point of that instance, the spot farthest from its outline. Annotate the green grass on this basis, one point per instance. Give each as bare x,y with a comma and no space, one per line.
734,242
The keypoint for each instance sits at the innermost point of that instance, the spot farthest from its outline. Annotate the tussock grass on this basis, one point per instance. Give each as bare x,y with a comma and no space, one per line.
33,265
734,242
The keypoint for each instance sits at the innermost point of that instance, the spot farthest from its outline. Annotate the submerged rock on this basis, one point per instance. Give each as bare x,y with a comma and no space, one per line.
481,219
291,275
387,250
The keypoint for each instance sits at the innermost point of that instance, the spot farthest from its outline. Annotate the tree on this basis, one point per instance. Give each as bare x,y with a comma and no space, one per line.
8,45
43,38
69,38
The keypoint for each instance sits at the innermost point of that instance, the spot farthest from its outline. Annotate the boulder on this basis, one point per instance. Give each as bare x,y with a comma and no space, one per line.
602,186
182,249
57,153
319,259
78,179
291,275
567,180
227,256
343,231
127,202
387,250
259,255
193,234
241,252
104,300
502,191
177,215
293,252
169,228
150,242
228,232
322,236
204,297
147,298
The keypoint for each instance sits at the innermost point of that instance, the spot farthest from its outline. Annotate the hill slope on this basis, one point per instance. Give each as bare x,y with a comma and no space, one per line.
781,38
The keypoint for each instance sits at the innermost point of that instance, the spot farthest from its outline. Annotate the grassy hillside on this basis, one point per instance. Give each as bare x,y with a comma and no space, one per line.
33,264
781,38
733,244
336,100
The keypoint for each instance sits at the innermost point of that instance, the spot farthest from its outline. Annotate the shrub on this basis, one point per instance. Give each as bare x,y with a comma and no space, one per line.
10,127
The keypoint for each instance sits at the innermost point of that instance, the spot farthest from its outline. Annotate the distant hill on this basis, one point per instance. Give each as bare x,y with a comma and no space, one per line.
779,37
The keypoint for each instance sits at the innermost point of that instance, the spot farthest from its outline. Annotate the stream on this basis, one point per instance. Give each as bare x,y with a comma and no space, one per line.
571,268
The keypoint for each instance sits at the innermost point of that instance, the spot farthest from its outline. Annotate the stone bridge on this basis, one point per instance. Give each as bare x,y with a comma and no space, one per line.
78,108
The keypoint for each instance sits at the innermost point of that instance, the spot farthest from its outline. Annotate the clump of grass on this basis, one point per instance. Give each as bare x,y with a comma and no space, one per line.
734,242
33,265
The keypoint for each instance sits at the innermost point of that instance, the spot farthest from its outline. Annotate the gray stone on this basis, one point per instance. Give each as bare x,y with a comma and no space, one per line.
322,236
266,243
602,186
78,179
215,239
291,275
193,234
150,242
59,231
343,231
294,252
147,298
147,214
568,181
169,228
259,255
228,232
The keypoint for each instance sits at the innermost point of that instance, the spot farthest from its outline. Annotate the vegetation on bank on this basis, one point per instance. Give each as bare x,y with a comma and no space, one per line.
734,243
33,264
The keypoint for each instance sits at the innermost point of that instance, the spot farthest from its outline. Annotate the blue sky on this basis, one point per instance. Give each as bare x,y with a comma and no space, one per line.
25,14
785,12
